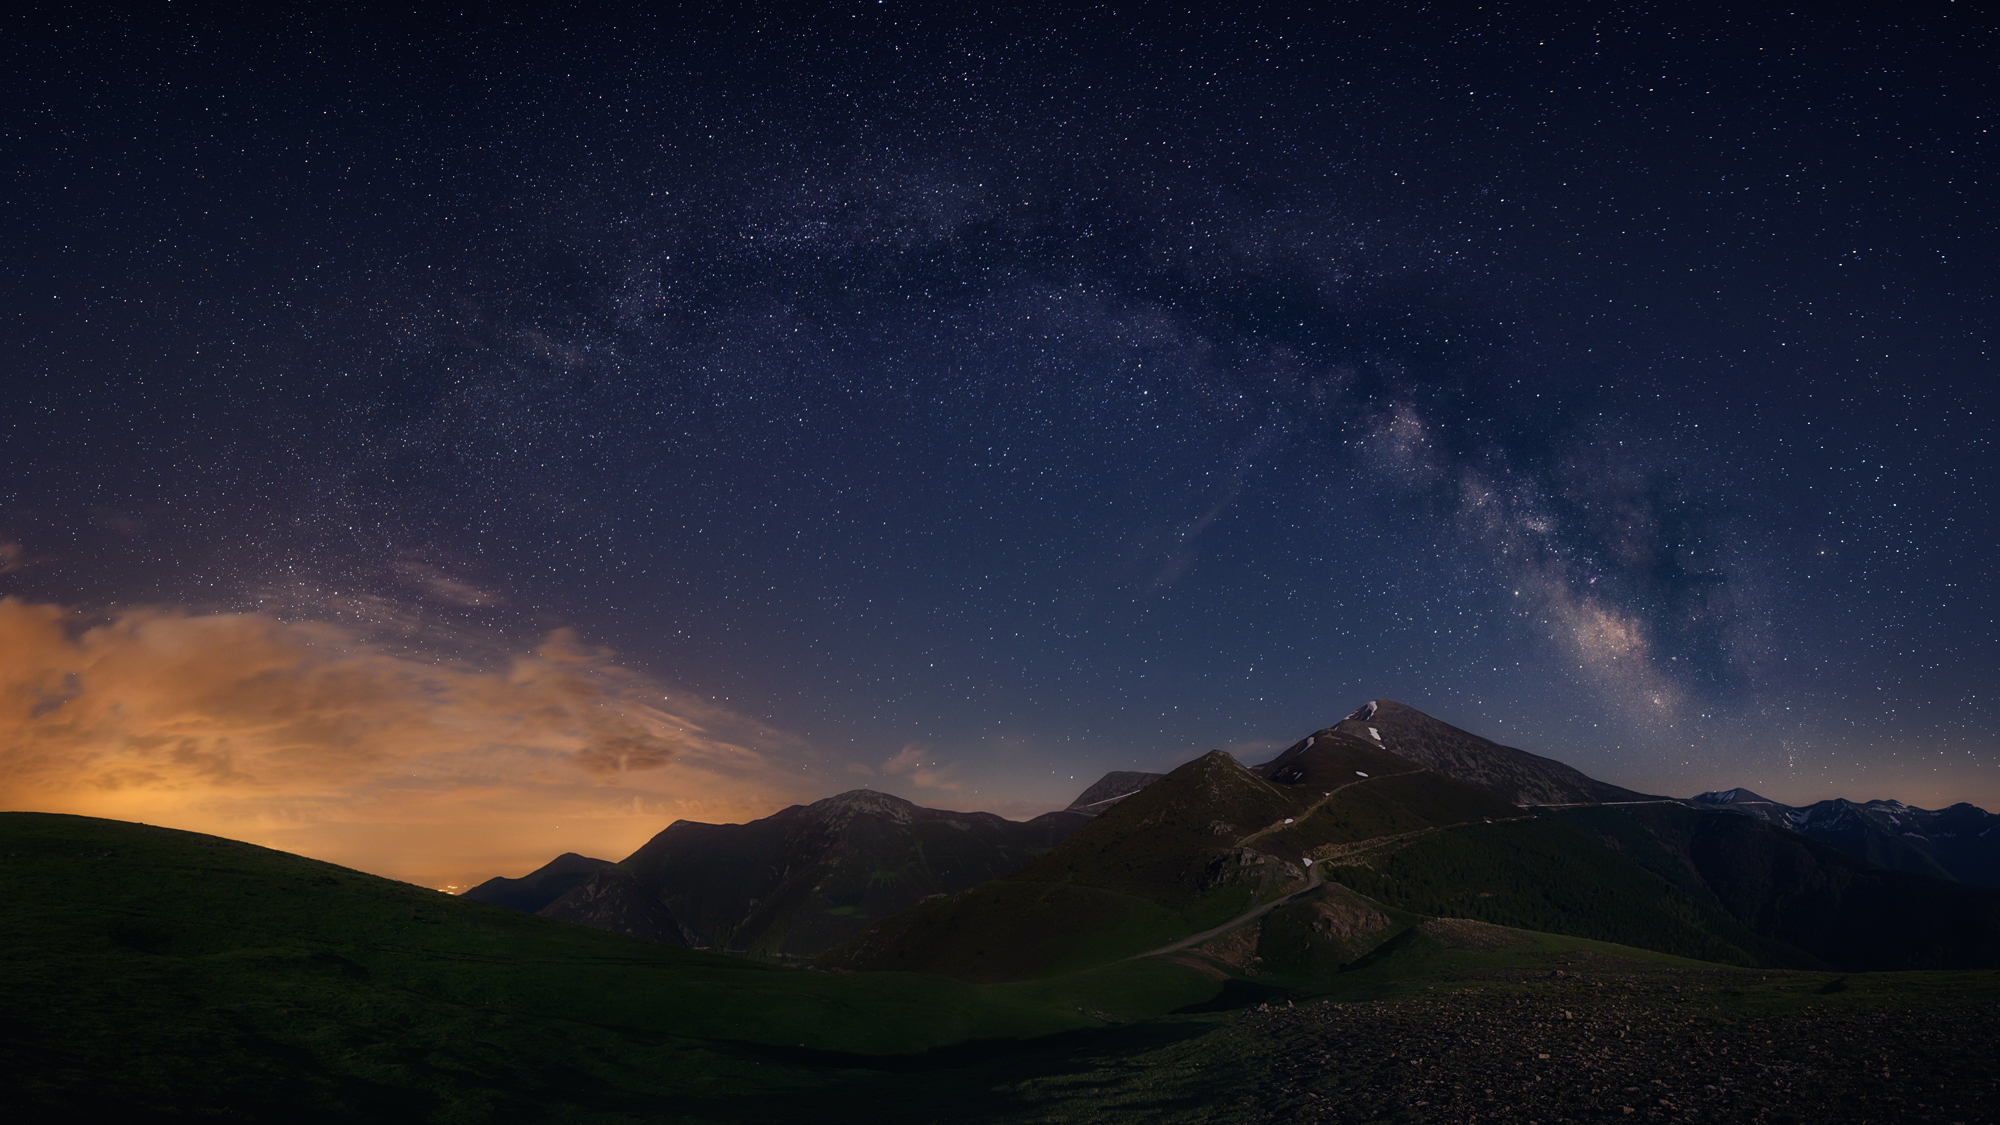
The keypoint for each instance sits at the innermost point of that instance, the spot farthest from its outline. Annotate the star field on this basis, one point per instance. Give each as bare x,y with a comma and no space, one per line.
967,403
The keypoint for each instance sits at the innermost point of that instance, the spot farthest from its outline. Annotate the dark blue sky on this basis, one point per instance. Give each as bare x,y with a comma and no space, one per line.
1049,393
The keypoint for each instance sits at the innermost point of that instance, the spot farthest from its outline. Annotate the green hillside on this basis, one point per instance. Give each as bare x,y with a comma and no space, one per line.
1159,865
205,977
1800,894
152,975
1541,874
1194,850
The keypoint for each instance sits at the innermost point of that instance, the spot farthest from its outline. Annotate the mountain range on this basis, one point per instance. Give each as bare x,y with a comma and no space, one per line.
1390,905
1350,840
1305,865
799,881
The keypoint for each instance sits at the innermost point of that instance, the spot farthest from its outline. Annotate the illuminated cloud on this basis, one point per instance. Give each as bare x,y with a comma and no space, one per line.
910,762
309,737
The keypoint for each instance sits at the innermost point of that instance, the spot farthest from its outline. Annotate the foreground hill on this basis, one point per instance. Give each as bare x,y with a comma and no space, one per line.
1961,842
149,974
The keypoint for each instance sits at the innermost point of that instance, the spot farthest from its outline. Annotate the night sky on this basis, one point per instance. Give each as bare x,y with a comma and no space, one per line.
434,441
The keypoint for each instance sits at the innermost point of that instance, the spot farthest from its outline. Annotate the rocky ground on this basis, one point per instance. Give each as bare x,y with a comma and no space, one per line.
1597,1047
1580,1041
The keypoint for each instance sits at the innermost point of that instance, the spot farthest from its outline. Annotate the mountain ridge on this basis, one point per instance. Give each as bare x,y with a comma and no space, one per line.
1392,814
793,883
540,887
1960,842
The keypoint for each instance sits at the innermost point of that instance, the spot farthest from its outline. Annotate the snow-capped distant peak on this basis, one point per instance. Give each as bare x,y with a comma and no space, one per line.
1736,796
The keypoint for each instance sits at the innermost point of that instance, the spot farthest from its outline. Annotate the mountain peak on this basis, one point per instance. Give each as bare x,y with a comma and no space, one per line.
1736,796
1520,777
841,808
1110,789
539,887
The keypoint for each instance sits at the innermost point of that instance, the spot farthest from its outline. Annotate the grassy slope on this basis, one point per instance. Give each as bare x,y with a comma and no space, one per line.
1801,893
1542,874
1165,864
145,965
1155,867
1389,806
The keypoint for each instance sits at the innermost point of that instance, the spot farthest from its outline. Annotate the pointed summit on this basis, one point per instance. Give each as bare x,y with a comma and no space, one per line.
539,887
1516,775
1110,789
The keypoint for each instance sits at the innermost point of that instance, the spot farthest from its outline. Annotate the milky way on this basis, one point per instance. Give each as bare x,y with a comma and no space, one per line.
967,405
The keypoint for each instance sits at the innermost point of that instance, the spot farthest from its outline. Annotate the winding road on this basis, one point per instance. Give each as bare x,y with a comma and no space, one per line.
1312,883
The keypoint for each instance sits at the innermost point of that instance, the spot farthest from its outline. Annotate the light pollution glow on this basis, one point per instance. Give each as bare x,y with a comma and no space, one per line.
306,737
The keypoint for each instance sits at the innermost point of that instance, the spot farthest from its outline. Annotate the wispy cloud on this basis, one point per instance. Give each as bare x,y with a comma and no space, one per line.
445,587
309,736
913,762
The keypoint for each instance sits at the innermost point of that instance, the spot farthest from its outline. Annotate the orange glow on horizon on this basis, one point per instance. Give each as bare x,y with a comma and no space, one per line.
306,737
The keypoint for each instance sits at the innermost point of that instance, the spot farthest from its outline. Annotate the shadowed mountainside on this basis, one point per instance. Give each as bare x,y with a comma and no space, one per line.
1840,909
794,883
613,899
539,887
808,877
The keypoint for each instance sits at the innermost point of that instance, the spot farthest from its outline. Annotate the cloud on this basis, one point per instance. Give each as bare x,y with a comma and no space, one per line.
308,736
444,587
910,762
12,556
